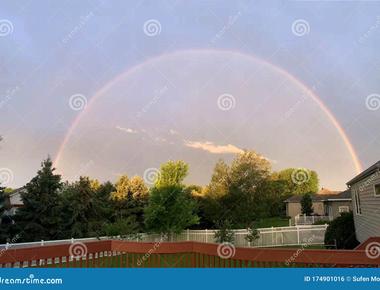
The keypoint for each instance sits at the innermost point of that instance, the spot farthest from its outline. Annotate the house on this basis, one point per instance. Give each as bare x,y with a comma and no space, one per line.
365,189
13,201
325,203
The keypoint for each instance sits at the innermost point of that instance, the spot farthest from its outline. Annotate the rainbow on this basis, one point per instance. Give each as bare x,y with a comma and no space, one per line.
315,98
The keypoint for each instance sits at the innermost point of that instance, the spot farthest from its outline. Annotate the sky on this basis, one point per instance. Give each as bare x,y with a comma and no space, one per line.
119,87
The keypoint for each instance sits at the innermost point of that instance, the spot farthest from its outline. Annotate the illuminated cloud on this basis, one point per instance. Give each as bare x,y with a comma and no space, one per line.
213,148
127,130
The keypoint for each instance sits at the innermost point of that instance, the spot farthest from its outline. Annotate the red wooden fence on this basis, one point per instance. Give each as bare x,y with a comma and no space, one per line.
114,253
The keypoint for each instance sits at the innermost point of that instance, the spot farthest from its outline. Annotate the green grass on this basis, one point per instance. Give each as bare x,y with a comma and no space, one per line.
319,247
169,261
272,222
130,260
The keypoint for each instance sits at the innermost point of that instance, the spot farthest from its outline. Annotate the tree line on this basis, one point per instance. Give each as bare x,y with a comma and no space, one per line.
237,195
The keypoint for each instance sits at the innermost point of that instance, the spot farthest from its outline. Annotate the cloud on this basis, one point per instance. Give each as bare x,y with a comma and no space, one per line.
127,130
173,132
213,148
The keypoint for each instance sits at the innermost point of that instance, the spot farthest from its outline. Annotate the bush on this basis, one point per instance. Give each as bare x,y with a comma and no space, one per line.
253,234
224,234
341,232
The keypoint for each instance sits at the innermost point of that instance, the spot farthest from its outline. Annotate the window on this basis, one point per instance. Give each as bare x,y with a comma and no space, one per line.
343,209
377,189
358,206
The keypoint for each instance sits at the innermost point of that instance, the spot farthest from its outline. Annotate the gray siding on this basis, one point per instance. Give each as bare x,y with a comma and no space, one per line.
335,207
367,224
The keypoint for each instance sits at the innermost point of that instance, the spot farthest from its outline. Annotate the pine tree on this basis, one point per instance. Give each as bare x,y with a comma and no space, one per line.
40,218
307,204
82,210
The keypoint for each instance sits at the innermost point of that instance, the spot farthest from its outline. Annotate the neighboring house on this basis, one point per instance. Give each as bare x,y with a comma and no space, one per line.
325,203
13,201
365,189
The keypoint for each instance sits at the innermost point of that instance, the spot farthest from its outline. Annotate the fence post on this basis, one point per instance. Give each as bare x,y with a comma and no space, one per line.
298,235
7,246
42,242
188,235
272,236
313,219
206,236
72,240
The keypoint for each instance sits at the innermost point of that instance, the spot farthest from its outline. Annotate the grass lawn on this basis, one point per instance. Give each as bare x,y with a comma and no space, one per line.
163,261
318,247
272,222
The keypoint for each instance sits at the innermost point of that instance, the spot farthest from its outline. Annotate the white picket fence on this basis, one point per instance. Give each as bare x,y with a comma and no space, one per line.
268,237
309,220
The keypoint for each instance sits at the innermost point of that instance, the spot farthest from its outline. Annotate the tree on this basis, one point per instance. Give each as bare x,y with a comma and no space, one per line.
138,188
170,210
2,200
273,193
225,234
233,192
299,180
129,199
172,173
94,184
253,234
40,217
122,188
82,211
307,204
341,232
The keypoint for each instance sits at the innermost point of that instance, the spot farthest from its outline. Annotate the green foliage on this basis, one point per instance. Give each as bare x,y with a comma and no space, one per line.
299,181
39,218
253,234
272,222
225,233
172,173
81,210
2,200
341,232
233,192
170,210
307,205
124,228
130,198
272,193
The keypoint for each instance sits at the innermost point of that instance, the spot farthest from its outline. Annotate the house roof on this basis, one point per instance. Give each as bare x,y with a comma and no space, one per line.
15,197
324,195
369,171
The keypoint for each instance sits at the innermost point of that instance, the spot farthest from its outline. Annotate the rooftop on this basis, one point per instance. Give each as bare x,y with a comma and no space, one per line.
324,195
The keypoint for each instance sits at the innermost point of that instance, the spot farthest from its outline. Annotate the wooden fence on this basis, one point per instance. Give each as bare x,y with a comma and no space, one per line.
114,253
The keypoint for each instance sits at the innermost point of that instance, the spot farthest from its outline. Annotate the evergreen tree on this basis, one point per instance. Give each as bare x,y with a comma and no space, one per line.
40,217
307,204
82,210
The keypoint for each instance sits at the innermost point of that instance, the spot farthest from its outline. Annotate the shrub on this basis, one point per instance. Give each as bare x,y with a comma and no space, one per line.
253,234
224,234
341,232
